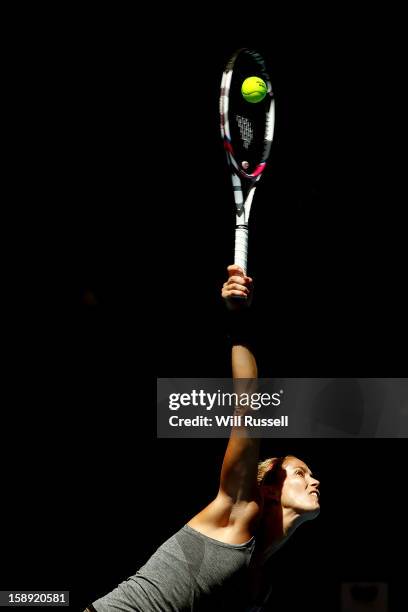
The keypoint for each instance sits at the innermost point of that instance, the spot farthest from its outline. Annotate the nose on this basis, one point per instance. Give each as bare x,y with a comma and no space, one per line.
314,482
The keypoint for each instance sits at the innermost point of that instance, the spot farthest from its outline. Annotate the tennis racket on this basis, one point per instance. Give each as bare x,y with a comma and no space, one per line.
247,132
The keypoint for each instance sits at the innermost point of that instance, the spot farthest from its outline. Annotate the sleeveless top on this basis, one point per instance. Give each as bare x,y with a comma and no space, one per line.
190,572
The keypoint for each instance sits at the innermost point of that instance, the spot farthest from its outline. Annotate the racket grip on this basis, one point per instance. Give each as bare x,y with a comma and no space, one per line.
241,247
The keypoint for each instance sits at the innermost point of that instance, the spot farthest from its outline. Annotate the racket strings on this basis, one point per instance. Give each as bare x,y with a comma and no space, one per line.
248,120
246,130
247,135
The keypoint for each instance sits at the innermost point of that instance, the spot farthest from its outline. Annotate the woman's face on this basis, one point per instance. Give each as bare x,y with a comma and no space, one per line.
300,490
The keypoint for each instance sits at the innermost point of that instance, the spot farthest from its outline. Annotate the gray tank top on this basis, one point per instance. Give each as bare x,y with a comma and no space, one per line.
190,572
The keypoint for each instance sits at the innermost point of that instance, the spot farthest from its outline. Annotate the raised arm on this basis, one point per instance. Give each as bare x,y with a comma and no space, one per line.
232,515
239,469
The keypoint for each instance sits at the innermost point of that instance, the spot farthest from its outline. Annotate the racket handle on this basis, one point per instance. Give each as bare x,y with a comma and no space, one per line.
241,247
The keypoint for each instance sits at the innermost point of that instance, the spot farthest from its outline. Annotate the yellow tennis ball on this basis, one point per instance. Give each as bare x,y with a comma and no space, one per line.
254,89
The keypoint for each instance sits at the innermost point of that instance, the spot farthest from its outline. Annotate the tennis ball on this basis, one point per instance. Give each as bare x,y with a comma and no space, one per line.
254,89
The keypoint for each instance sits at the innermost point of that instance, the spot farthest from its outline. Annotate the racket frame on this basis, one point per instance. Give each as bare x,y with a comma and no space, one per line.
243,183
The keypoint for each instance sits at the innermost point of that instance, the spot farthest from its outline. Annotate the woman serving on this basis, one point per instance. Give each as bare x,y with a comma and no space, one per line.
218,560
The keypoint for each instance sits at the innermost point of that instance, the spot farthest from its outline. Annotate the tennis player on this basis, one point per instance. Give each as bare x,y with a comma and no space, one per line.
218,560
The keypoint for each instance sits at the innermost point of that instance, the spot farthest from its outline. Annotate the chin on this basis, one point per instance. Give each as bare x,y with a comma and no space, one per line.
312,514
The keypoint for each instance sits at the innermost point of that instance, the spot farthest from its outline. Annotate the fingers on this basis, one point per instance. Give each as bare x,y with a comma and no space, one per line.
237,280
234,269
234,289
242,284
238,284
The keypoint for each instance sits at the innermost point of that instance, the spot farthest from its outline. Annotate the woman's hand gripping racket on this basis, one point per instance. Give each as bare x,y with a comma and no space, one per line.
247,113
238,286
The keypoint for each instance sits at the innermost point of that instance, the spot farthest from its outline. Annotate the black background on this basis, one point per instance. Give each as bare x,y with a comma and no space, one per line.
146,221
